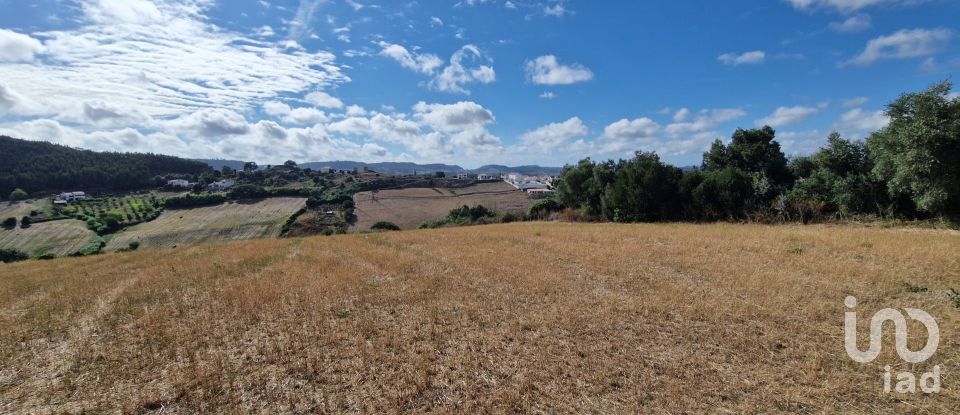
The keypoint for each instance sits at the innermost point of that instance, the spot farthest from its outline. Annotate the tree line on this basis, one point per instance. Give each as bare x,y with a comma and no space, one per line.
909,169
36,166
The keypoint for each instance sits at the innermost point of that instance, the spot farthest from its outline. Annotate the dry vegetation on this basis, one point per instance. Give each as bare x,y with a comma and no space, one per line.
62,237
410,208
530,317
226,222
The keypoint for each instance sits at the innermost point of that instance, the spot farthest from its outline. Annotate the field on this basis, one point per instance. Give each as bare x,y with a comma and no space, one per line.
528,317
226,222
409,208
62,237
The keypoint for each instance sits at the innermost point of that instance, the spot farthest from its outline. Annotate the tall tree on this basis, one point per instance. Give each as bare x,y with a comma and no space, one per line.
918,153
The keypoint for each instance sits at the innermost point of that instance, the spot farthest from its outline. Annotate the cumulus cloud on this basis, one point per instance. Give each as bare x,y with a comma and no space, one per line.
903,44
323,100
17,47
858,120
852,24
453,117
846,6
631,130
752,57
705,120
784,116
164,59
554,135
451,78
212,122
547,70
426,64
455,75
854,102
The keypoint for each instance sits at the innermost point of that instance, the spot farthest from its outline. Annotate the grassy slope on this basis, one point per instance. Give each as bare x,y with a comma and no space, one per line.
528,317
409,208
229,221
62,237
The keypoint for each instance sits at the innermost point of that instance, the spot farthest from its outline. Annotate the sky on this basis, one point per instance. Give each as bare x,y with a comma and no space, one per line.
467,82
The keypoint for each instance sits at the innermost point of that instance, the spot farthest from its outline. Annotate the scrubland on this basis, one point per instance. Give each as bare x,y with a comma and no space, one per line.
529,317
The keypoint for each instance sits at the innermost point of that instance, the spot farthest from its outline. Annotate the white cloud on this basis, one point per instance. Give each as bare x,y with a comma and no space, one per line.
752,57
556,10
302,22
846,6
17,47
554,135
174,64
436,21
212,122
854,102
548,95
627,130
453,117
323,100
455,75
705,120
681,115
903,44
547,70
451,78
10,101
426,64
852,24
784,116
858,120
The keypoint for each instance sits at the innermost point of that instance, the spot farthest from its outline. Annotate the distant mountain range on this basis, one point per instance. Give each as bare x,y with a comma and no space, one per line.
402,168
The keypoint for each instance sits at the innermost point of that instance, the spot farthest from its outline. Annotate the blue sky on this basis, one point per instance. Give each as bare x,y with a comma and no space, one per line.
469,82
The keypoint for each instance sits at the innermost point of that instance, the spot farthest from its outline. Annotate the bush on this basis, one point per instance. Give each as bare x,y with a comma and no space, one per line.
133,246
10,222
385,226
543,208
18,194
46,256
192,200
12,255
247,191
25,222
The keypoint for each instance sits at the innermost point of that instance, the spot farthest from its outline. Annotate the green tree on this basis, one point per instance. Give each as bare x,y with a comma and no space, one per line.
12,255
18,194
644,189
724,194
918,153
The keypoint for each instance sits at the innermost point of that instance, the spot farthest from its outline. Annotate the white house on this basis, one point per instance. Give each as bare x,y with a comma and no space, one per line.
72,196
222,185
179,183
462,176
483,177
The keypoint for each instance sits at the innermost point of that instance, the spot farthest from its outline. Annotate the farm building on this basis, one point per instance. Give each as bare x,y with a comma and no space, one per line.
462,176
222,185
180,183
539,193
484,177
72,196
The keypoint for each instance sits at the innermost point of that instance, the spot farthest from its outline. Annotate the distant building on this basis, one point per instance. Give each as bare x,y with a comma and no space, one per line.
538,193
325,170
483,177
222,185
72,196
513,177
179,183
462,176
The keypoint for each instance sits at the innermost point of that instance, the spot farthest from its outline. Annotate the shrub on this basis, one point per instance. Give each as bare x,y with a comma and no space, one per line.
12,255
18,194
543,208
46,256
10,222
385,226
25,222
247,191
133,246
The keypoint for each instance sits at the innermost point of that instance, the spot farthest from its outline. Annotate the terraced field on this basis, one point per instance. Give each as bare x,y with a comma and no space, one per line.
226,222
62,237
409,208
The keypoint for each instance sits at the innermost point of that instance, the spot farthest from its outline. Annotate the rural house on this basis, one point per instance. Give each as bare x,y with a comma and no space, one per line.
222,184
72,196
179,183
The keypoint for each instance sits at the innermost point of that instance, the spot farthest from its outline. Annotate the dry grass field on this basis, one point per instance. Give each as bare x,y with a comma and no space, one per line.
410,208
61,237
226,222
520,318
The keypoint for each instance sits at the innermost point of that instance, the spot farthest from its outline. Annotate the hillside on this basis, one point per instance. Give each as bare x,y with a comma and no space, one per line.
525,318
41,166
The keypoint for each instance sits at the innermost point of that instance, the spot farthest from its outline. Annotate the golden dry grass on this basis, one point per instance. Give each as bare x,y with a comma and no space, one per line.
410,208
531,317
225,222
